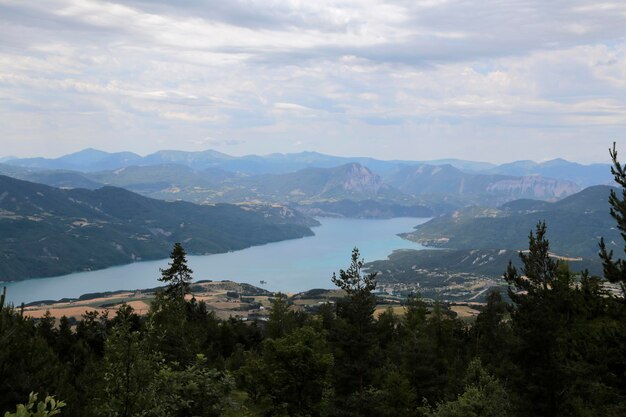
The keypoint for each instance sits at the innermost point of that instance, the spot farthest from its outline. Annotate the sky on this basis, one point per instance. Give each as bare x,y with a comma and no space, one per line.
483,80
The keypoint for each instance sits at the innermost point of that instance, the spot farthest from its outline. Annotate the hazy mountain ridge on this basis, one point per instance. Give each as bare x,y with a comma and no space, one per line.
476,188
48,231
91,160
583,175
440,188
352,181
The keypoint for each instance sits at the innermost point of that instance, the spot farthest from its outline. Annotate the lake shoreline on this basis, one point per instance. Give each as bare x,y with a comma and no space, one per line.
290,265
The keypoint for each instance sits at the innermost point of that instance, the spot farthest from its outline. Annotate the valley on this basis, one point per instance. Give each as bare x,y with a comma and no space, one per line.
112,209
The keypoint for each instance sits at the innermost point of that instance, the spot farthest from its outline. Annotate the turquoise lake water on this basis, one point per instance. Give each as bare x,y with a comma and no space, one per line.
290,266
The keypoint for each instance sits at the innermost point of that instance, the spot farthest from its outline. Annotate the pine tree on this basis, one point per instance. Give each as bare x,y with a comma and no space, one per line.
127,371
351,280
281,320
540,297
354,338
178,275
615,270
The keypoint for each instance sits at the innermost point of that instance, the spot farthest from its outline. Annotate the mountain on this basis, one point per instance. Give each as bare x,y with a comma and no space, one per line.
450,183
87,160
583,175
55,178
575,225
351,181
46,231
168,181
195,160
463,165
92,160
436,188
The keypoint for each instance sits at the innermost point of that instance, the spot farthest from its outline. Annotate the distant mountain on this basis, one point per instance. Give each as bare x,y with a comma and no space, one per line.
15,171
196,160
92,160
449,182
575,225
46,231
437,188
63,179
472,166
54,178
168,181
351,181
583,175
87,160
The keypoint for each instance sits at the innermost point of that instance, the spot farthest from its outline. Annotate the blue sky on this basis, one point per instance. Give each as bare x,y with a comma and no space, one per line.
483,80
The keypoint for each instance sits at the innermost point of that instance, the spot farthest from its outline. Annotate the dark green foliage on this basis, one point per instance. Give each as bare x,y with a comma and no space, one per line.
197,390
293,375
560,337
493,336
178,275
354,333
484,396
615,270
127,371
395,397
281,319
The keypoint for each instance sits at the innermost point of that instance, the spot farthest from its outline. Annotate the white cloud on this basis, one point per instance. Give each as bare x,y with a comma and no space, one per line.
387,78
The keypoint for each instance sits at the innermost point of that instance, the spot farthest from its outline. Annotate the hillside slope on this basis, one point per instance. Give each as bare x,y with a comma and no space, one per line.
45,231
575,225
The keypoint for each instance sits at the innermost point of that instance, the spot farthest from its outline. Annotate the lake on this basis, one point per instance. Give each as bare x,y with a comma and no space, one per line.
289,266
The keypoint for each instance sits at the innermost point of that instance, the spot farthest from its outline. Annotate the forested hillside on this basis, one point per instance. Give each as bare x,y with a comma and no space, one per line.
576,225
46,231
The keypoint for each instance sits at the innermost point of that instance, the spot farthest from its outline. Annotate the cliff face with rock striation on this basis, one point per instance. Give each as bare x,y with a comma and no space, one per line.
534,187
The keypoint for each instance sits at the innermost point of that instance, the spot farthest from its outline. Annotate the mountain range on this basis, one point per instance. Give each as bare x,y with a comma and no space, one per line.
46,231
210,177
92,160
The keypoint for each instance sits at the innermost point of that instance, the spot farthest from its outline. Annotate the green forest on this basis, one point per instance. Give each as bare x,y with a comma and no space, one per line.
557,349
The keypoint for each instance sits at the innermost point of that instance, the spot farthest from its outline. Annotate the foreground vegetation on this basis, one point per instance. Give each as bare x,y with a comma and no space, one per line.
558,350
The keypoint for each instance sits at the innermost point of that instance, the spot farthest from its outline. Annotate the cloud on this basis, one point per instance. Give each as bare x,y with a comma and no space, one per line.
394,79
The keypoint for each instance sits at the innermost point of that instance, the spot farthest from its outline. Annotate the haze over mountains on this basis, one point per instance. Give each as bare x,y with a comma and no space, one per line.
279,192
91,160
312,178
